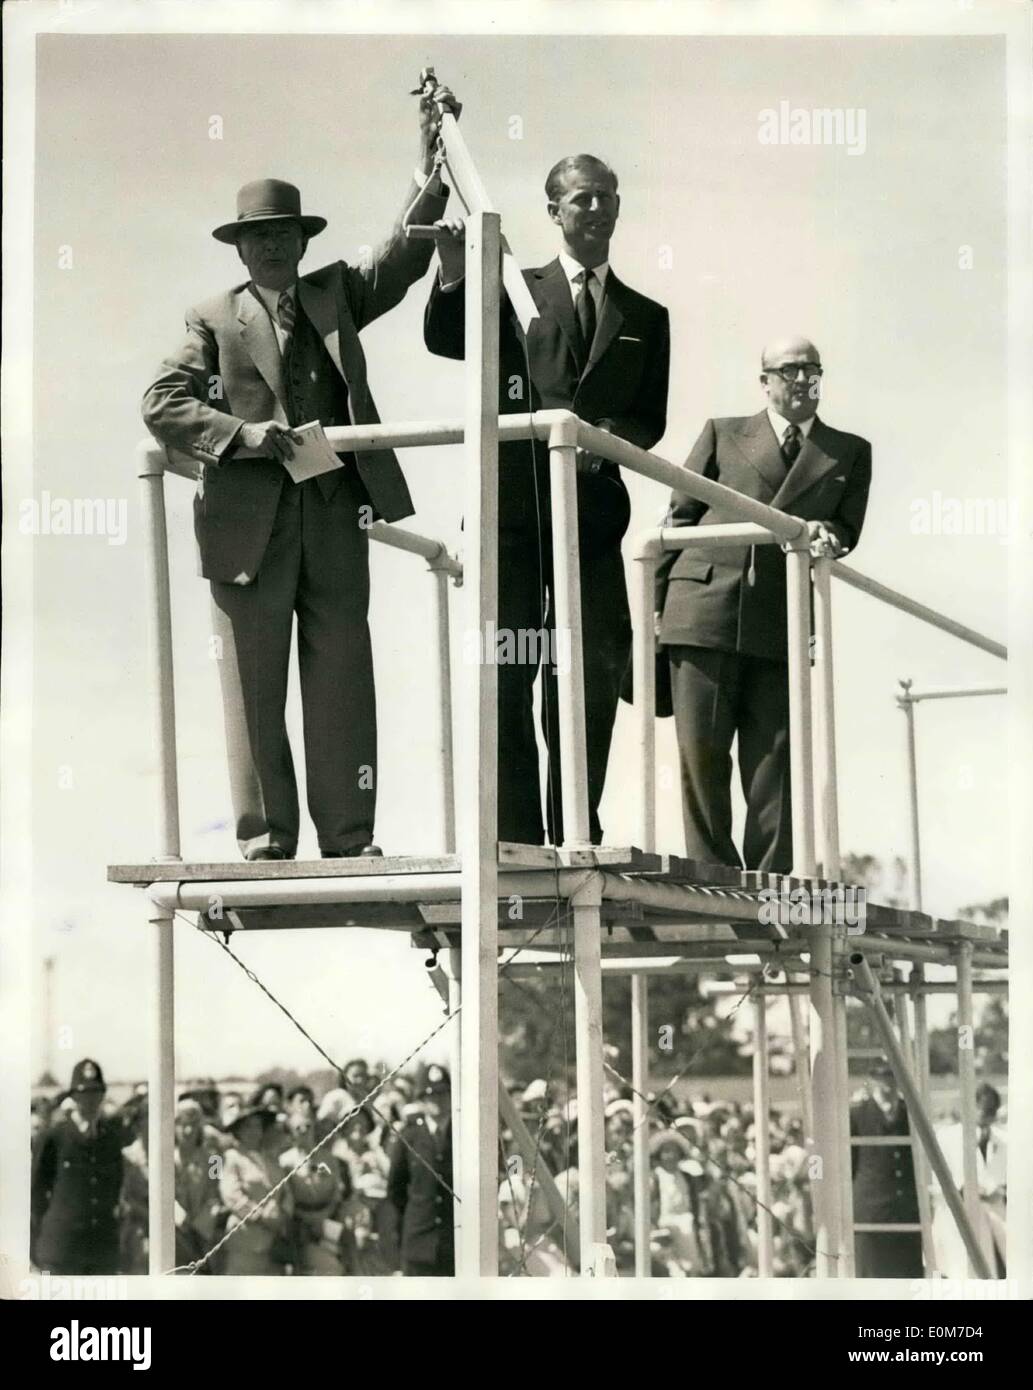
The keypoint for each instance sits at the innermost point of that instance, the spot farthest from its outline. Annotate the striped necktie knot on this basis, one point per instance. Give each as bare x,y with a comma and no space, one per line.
792,443
285,312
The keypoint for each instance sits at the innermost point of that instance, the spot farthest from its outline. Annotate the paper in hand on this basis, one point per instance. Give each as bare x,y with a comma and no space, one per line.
313,455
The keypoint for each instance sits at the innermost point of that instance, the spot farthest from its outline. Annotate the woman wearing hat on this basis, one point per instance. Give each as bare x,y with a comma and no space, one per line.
200,1214
673,1218
319,1189
259,1245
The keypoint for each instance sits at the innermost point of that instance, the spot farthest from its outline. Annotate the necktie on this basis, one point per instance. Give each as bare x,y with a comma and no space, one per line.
584,307
285,314
791,445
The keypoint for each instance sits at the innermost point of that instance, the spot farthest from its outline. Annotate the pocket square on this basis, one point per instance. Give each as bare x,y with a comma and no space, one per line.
625,339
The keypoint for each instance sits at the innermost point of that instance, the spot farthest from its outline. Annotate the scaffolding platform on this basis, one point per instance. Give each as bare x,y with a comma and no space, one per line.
652,904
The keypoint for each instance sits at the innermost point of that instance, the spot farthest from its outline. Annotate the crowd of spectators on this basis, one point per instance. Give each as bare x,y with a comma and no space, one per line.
341,1209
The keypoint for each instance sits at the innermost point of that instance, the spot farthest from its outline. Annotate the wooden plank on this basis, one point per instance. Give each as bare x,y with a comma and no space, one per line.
282,869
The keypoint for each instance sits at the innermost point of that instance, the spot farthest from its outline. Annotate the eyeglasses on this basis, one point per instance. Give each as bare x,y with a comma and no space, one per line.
811,371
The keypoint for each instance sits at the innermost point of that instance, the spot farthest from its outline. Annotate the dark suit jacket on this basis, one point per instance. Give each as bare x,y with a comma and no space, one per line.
229,371
76,1183
624,384
883,1177
424,1207
704,594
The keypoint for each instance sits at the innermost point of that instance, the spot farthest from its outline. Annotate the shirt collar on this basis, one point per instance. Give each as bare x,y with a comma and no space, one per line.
271,298
572,268
780,424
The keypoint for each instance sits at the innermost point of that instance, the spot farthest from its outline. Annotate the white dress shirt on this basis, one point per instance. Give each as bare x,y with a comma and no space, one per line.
271,298
780,424
597,285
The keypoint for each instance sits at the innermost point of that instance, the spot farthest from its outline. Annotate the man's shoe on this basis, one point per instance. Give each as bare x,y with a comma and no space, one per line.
354,852
267,852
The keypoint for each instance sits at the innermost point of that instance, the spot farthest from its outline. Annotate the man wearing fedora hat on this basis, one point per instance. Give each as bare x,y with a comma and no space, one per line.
76,1181
276,352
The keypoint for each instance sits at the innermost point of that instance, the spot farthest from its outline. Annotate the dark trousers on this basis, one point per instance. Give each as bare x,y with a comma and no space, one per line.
719,696
526,605
888,1255
316,566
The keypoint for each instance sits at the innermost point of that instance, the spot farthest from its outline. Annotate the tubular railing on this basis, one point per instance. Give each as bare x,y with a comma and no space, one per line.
812,735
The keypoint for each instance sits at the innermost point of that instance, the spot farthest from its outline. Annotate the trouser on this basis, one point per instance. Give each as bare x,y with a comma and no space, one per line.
717,696
317,566
526,606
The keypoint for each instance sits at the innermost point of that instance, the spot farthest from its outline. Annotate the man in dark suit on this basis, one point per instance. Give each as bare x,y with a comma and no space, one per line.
884,1183
76,1183
722,610
419,1183
602,350
272,354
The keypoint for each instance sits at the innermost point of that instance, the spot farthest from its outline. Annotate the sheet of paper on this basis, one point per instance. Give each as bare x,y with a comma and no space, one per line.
313,455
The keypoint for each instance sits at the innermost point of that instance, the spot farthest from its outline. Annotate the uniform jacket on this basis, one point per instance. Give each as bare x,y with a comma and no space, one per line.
424,1206
229,371
76,1184
705,595
624,383
884,1176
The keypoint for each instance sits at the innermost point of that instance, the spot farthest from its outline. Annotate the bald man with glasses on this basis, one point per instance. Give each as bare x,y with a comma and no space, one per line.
721,611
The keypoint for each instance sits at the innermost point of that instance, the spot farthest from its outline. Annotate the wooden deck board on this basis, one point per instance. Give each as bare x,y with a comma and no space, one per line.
626,923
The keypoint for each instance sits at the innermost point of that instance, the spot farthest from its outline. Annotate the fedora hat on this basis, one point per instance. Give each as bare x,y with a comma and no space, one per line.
267,200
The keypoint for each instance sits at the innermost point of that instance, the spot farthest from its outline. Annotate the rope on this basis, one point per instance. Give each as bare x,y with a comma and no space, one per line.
359,1108
195,1265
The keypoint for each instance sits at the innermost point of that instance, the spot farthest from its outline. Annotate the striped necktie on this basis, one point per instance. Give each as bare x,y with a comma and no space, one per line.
792,443
285,314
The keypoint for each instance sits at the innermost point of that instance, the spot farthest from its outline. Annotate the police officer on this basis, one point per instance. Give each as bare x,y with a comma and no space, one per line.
76,1180
884,1183
419,1182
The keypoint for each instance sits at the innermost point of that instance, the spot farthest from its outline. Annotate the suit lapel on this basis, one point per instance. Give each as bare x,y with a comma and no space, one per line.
256,331
320,305
551,291
814,460
611,320
757,442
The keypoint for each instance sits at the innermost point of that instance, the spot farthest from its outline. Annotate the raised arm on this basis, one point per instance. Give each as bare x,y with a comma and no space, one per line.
380,281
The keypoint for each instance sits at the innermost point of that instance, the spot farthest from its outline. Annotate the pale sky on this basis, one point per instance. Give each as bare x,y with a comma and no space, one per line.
742,241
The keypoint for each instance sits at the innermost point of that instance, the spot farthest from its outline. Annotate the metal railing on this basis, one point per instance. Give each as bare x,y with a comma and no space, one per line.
813,779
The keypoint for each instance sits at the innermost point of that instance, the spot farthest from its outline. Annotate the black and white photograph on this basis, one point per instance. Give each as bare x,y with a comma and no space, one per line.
516,724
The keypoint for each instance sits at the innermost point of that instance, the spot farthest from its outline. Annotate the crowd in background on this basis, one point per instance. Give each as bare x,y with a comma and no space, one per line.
360,1179
363,1181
